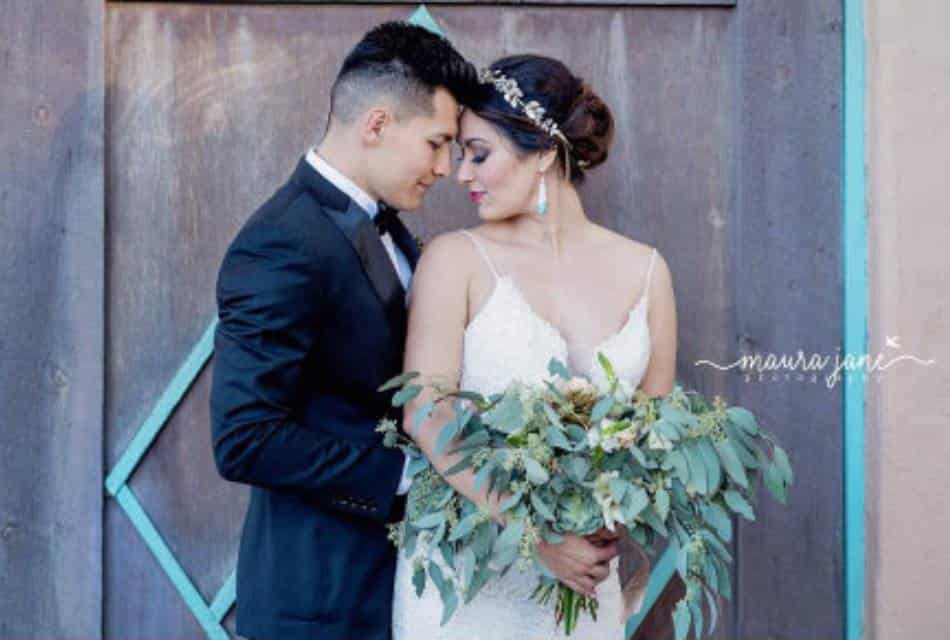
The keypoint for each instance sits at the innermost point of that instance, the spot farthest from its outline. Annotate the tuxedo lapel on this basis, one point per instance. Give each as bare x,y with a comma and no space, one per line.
361,233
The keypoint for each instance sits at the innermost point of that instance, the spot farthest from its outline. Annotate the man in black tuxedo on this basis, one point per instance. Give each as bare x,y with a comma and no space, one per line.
312,320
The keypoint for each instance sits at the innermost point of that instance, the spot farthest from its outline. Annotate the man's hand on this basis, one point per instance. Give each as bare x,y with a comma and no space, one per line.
577,562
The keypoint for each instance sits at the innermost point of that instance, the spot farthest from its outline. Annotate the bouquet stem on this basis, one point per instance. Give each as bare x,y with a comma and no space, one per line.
568,605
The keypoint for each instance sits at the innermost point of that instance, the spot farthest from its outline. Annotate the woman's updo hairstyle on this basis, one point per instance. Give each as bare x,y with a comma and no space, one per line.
570,102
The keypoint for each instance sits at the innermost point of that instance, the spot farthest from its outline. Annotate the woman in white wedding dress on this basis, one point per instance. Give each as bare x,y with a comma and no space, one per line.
538,279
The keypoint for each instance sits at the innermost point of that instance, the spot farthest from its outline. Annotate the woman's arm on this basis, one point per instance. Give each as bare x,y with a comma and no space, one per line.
438,314
437,318
661,318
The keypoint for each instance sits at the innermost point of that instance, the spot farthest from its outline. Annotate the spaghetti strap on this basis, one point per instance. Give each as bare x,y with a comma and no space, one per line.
481,251
646,292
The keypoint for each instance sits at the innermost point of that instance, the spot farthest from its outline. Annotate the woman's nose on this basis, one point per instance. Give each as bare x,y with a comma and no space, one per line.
464,175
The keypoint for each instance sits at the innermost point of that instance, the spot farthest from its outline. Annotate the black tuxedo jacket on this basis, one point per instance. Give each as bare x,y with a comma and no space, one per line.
312,320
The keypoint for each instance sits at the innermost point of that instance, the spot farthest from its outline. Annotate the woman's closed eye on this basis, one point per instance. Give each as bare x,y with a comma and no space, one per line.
477,158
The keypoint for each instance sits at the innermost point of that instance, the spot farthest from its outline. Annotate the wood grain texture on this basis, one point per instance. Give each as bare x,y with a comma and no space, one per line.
726,159
51,318
787,255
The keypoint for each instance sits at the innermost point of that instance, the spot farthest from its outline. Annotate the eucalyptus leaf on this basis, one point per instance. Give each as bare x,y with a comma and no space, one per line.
398,381
744,419
713,609
677,460
420,415
696,609
713,468
718,519
464,463
608,368
481,476
482,575
467,563
738,504
541,506
557,439
429,521
697,468
511,501
781,461
618,488
652,518
451,429
419,580
476,439
557,368
667,429
716,545
775,482
681,620
536,473
406,394
730,462
464,527
636,501
602,408
661,502
435,572
450,601
508,415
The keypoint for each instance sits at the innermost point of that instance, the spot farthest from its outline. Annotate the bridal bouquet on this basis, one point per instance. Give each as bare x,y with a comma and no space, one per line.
566,456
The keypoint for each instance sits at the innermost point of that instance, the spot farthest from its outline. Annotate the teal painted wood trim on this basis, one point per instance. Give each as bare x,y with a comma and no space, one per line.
660,574
854,255
423,18
166,404
223,602
206,618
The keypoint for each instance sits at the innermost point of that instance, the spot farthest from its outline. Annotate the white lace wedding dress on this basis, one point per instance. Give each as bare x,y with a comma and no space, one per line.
506,341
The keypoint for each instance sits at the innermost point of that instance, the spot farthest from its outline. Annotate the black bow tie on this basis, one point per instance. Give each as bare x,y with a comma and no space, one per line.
386,218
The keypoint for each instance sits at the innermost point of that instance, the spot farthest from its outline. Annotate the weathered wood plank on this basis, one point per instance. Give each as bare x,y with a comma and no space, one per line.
787,282
211,106
51,318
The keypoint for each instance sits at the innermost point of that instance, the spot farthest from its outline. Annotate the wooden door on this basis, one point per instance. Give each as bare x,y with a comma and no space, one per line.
726,158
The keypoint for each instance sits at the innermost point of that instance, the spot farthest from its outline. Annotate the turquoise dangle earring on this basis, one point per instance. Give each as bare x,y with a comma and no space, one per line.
542,206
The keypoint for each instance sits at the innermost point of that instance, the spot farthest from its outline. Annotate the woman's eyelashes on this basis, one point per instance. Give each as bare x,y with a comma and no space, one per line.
477,158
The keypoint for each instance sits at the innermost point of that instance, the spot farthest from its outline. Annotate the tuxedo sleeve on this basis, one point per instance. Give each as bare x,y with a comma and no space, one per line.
269,315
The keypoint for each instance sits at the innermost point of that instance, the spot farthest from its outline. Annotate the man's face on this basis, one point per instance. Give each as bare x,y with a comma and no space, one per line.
415,152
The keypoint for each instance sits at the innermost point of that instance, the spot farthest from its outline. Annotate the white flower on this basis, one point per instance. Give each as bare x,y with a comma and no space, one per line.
609,508
628,437
624,391
593,438
657,441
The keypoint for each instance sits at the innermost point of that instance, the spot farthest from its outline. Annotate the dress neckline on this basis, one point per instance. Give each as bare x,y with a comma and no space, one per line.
507,278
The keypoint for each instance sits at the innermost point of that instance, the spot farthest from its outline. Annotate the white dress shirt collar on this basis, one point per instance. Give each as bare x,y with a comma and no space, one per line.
343,183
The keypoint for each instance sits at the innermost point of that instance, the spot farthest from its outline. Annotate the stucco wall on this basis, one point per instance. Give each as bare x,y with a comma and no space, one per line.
908,410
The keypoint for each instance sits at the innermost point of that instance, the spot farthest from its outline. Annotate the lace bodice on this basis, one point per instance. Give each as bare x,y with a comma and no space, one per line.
507,340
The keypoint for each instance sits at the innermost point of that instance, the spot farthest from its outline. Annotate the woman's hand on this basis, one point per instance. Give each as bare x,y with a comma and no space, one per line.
578,562
603,536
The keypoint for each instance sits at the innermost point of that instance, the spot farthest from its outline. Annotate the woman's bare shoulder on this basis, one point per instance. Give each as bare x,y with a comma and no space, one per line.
624,246
450,253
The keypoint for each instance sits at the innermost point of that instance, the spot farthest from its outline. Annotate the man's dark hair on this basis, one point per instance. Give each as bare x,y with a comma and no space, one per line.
404,61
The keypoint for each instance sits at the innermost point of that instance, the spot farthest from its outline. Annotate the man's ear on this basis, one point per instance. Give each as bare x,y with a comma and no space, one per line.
374,123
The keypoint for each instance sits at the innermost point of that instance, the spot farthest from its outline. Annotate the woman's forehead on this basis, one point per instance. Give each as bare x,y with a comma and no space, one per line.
472,127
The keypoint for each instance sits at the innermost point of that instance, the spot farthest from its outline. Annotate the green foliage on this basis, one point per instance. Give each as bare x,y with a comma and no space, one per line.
568,457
